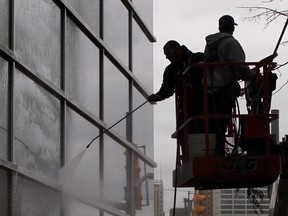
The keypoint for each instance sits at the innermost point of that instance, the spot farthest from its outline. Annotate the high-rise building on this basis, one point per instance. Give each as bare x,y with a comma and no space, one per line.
69,70
234,202
158,198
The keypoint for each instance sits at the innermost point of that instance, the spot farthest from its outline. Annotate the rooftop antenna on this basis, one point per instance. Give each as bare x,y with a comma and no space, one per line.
160,170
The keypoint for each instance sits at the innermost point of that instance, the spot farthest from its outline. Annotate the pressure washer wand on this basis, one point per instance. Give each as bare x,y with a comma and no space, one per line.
274,55
280,38
116,123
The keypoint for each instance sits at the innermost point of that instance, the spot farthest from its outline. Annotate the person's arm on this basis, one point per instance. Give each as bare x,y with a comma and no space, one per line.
167,87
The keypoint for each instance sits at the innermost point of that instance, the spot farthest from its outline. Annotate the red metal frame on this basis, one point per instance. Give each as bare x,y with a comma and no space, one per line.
211,172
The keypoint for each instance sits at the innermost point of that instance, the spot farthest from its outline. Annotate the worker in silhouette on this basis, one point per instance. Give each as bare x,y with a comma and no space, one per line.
222,82
180,58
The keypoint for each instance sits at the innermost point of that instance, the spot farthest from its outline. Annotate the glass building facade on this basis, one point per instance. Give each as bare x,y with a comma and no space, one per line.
235,202
69,70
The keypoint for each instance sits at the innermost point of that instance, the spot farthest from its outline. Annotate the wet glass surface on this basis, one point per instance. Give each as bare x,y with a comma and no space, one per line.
82,68
37,37
37,128
4,109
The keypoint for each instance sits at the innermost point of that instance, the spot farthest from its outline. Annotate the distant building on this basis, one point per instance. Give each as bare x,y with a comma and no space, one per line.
229,202
158,198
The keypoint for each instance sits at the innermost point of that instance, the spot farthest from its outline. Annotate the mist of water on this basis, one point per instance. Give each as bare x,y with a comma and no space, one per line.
65,174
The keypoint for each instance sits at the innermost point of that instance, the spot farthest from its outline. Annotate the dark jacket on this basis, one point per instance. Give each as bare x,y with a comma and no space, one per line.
173,72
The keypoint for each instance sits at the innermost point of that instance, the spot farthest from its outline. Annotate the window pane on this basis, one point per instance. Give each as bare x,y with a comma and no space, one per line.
82,68
226,201
143,123
115,97
116,28
85,179
142,58
239,201
226,191
35,199
76,208
239,207
4,22
143,137
4,109
79,134
37,32
239,212
145,8
115,173
88,11
4,190
37,127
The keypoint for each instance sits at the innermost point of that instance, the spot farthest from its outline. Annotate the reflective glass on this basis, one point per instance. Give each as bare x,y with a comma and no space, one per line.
4,22
4,108
114,173
79,133
37,36
85,179
37,128
143,138
145,9
36,199
142,58
88,11
76,208
116,29
82,68
143,124
4,192
115,97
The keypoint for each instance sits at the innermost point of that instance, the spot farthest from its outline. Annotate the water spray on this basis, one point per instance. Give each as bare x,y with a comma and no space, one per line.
66,172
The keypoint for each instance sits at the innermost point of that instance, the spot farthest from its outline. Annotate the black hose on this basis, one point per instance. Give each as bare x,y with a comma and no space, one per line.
176,174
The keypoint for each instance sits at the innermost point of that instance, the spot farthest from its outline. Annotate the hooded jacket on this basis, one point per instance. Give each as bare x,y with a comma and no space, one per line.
227,49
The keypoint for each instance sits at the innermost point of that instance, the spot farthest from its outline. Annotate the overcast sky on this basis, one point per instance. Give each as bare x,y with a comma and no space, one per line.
189,22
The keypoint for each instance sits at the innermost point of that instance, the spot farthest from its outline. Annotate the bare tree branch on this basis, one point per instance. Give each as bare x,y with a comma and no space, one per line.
269,14
281,65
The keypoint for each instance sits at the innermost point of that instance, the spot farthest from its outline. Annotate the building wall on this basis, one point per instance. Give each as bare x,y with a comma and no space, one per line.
158,198
232,202
69,70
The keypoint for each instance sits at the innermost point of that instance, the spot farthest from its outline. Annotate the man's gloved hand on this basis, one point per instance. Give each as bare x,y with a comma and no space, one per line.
154,98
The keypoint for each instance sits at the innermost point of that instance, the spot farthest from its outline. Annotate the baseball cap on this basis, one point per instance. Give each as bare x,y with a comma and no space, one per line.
227,21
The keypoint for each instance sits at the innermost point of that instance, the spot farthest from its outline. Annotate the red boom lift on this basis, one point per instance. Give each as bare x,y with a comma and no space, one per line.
255,163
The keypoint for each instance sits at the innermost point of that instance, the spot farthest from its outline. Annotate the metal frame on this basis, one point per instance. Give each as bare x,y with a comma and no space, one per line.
65,100
227,171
